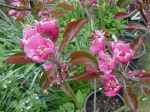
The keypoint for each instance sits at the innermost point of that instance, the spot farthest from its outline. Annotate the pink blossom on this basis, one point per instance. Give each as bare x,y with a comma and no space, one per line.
93,2
106,63
48,27
12,12
122,51
28,32
98,44
15,2
38,48
111,85
16,13
47,67
136,73
98,34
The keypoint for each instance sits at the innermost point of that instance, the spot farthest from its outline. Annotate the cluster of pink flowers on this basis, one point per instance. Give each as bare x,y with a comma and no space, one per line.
17,13
120,52
38,40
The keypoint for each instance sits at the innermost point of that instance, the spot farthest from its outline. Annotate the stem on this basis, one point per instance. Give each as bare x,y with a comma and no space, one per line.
144,17
95,86
69,92
13,7
121,109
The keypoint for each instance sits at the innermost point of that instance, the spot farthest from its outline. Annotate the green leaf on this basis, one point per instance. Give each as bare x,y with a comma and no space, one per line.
80,98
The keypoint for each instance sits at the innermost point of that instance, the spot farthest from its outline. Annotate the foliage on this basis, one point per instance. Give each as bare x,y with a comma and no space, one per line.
27,86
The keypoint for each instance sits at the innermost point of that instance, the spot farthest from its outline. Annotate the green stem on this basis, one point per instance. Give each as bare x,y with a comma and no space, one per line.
69,92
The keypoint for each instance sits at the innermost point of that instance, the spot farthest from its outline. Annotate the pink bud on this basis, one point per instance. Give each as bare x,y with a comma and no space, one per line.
136,73
28,32
122,51
106,63
111,85
47,67
48,27
98,43
12,12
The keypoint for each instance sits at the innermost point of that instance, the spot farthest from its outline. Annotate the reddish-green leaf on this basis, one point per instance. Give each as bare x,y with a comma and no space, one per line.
135,26
131,99
57,13
85,76
146,91
48,77
123,3
121,15
36,6
66,6
71,31
145,78
19,58
137,45
83,57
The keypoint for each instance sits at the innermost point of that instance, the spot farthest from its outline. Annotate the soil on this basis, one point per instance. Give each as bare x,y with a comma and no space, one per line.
103,103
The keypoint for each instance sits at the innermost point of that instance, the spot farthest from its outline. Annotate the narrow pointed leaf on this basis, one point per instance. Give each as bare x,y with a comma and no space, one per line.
131,99
121,15
19,58
71,31
82,57
145,78
137,45
135,26
56,13
85,76
48,78
67,6
83,54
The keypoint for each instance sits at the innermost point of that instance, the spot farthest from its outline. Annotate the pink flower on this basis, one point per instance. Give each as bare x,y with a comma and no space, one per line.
98,44
111,85
38,48
28,32
106,63
48,27
136,73
93,2
122,51
16,13
15,2
47,67
12,12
